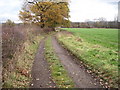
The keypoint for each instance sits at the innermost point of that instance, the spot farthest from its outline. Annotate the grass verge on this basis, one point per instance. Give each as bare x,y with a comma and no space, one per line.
98,59
58,72
20,77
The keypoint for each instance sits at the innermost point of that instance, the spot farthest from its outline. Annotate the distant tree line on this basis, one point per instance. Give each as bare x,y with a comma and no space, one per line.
97,23
9,23
110,24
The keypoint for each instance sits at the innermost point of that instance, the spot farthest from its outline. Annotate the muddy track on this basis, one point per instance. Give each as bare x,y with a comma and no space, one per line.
79,75
40,71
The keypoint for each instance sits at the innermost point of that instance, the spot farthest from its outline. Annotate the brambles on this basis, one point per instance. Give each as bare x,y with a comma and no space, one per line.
18,52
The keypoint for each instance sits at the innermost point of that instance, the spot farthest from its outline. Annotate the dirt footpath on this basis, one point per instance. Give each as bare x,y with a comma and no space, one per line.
40,70
80,77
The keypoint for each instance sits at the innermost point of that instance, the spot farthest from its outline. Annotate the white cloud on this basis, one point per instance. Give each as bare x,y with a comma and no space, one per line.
108,1
91,9
10,9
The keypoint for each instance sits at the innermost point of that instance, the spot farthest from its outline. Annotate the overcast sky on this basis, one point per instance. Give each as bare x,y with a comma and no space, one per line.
80,10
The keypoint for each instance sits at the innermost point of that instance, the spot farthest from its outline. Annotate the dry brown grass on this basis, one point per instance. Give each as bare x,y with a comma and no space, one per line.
13,39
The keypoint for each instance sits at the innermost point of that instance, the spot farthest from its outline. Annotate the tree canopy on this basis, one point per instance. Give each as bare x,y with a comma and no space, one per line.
45,14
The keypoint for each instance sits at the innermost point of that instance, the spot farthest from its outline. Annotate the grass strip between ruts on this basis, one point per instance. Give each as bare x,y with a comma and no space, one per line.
58,72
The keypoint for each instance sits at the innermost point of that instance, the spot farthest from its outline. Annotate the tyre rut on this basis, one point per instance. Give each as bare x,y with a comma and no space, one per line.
40,71
80,77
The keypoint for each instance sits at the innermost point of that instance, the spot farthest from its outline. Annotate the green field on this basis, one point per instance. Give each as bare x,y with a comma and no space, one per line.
105,37
97,48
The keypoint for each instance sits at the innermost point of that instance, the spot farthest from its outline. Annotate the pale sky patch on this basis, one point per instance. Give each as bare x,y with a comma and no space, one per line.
80,10
9,9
